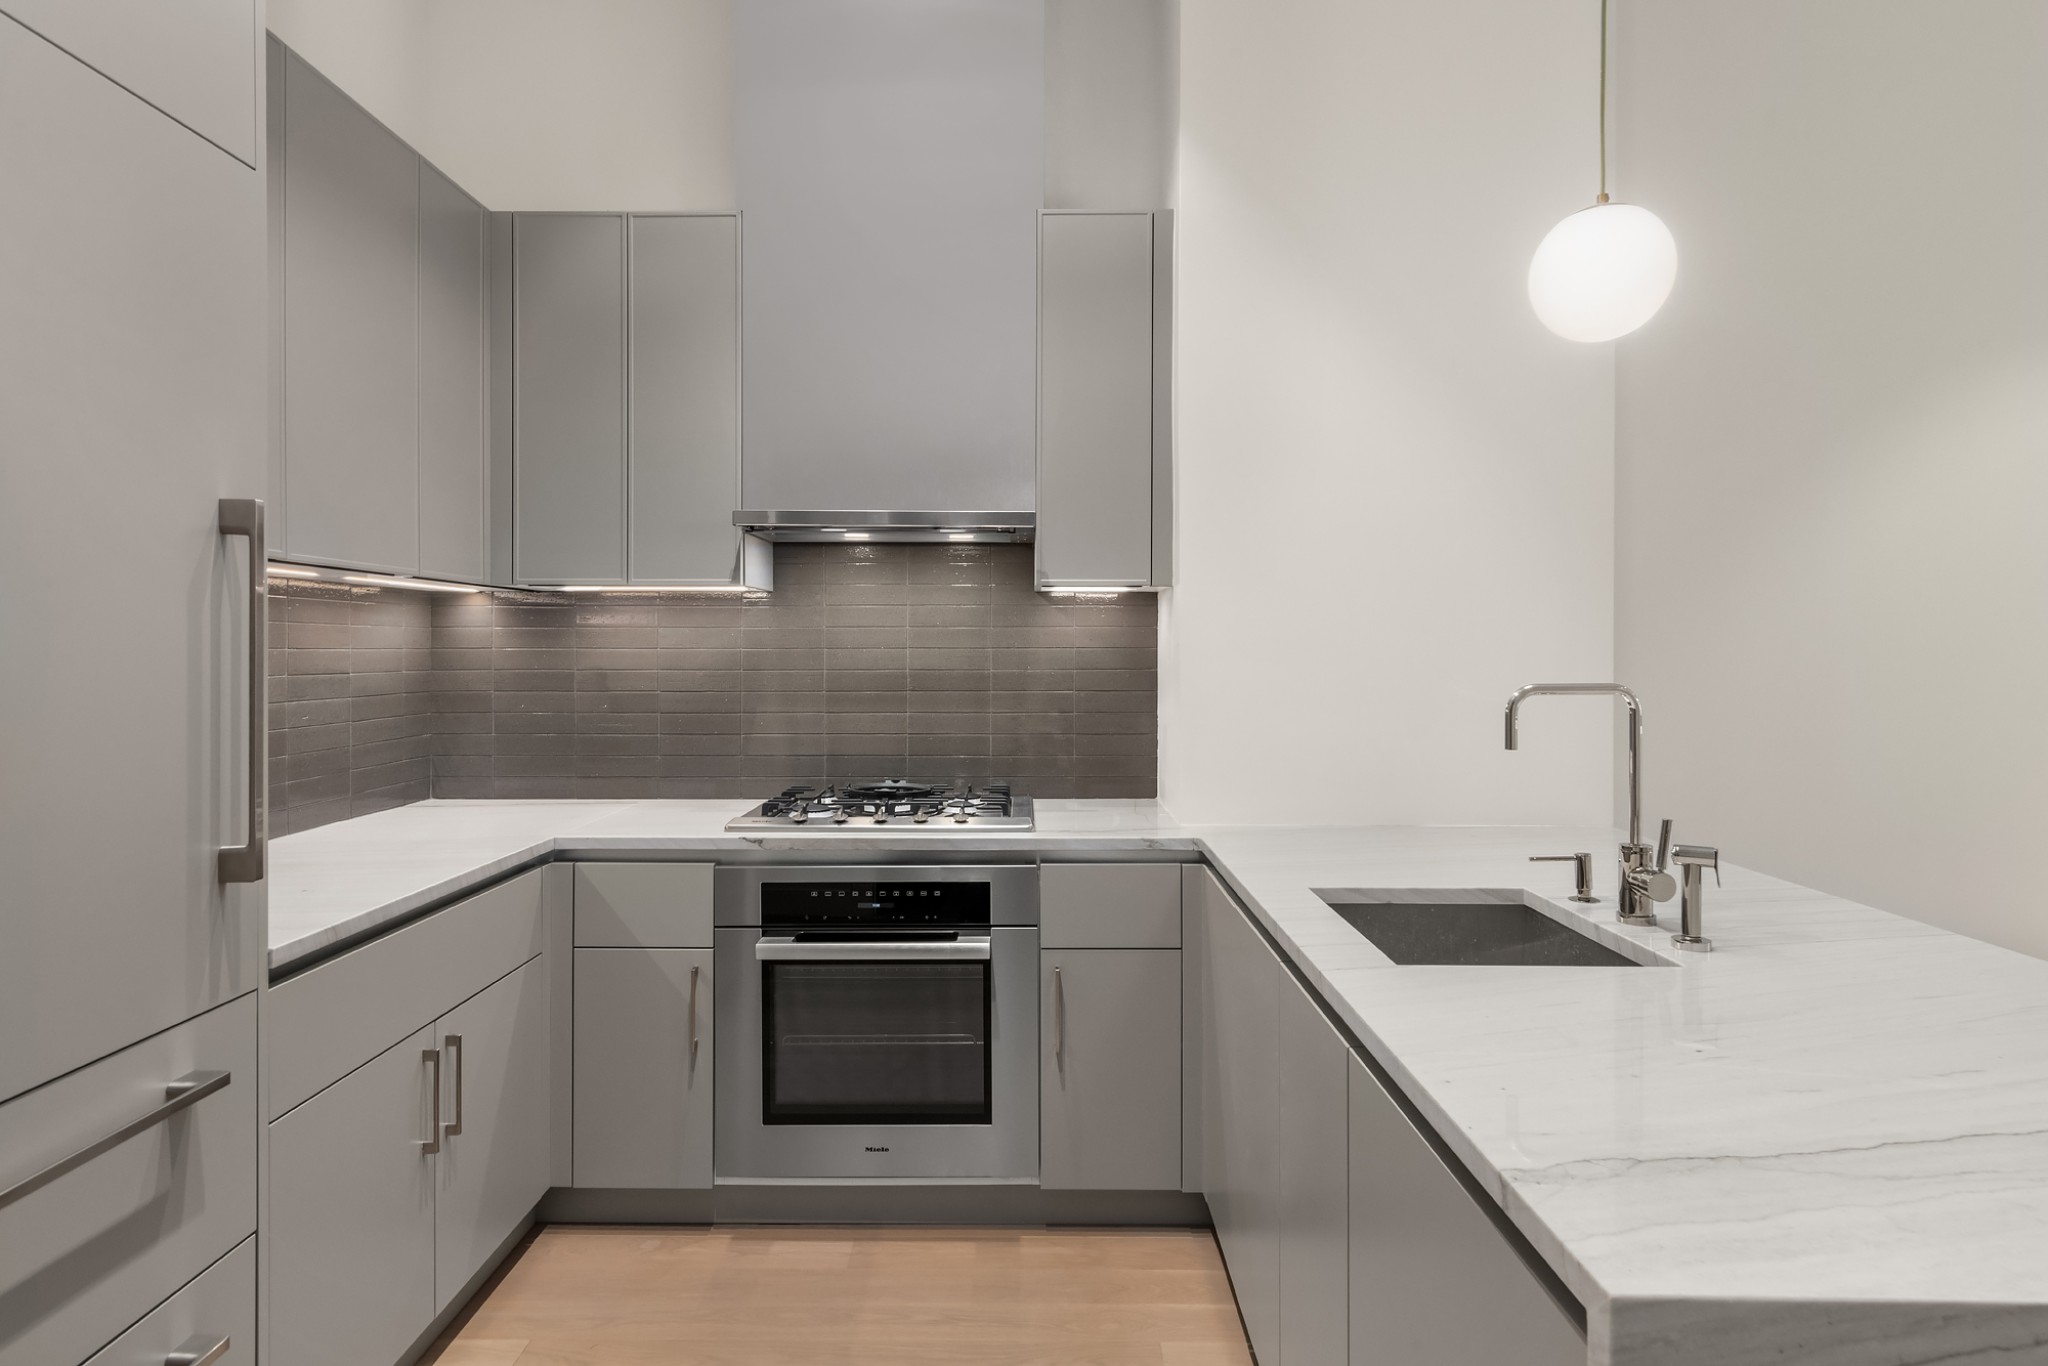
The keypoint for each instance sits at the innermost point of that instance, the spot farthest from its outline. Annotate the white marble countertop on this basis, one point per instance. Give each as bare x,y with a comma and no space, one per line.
1827,1142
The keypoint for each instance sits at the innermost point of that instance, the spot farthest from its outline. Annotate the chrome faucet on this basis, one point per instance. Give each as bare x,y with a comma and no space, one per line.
1643,882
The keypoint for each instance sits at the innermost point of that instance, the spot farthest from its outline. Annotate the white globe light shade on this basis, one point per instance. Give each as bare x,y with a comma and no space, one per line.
1603,272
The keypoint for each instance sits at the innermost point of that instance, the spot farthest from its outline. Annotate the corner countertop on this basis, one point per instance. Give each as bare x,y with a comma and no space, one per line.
1825,1142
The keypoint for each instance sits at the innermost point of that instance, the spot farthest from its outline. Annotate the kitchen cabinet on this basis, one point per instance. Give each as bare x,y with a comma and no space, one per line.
1315,1164
454,258
393,1187
219,1303
643,905
1109,905
569,403
195,61
1433,1281
683,442
351,1231
643,1068
131,383
1240,989
1109,1069
351,437
1101,428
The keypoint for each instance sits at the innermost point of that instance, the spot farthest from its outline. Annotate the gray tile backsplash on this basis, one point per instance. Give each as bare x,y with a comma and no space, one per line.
351,714
867,661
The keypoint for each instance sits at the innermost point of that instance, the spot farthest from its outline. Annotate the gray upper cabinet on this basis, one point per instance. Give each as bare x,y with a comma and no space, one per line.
351,192
1433,1282
453,372
684,438
569,399
1100,437
889,164
194,60
131,366
1109,1069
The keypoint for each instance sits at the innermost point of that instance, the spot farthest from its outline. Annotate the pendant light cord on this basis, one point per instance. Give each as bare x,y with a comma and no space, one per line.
1603,102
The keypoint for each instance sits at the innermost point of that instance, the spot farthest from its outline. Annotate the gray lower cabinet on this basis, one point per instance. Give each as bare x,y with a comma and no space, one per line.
454,276
1109,1069
351,215
1095,408
1433,1282
217,1307
1240,988
643,1068
1315,1164
569,399
493,1165
391,1188
351,1232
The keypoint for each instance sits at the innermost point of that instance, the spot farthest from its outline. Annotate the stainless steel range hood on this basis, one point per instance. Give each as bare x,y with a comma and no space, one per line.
899,527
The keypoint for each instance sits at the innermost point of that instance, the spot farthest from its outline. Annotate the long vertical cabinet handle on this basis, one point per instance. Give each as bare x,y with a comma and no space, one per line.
694,970
454,1044
200,1351
1059,1021
432,1142
245,862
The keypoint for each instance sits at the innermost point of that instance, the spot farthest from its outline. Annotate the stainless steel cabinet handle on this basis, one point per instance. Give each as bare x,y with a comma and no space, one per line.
181,1094
694,970
245,862
200,1351
454,1041
1059,1021
432,1142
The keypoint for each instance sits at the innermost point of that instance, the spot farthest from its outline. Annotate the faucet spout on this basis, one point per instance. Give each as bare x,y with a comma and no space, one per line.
1635,734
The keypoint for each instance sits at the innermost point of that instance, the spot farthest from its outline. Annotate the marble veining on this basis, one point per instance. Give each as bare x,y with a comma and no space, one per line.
1827,1142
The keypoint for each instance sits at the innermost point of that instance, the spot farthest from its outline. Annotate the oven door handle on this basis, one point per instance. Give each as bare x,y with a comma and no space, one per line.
784,949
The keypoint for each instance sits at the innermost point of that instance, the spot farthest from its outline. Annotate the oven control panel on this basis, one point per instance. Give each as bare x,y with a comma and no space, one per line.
791,905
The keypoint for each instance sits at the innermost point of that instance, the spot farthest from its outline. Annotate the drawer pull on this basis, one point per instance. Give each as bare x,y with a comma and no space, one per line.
181,1094
198,1352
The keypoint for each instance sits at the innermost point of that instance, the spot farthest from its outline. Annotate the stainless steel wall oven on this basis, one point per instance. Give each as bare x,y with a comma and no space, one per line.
877,1022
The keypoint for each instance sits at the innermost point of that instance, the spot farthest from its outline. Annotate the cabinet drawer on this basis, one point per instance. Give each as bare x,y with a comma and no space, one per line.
220,1303
643,906
89,1254
337,1016
1109,906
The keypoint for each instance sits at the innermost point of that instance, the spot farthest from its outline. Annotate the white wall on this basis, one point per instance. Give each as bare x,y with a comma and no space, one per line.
1833,444
1395,488
541,104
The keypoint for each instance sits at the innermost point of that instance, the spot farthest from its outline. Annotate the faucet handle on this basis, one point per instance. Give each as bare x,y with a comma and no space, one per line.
1664,846
1699,856
1585,871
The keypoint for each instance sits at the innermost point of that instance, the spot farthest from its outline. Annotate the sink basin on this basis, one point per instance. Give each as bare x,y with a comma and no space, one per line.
1472,934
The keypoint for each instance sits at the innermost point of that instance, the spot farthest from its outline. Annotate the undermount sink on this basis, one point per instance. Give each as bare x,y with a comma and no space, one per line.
1466,932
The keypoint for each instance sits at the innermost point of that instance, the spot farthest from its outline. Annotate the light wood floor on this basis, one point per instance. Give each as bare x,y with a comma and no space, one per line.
583,1296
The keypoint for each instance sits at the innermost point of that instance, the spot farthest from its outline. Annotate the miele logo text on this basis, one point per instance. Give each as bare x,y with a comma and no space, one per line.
873,1149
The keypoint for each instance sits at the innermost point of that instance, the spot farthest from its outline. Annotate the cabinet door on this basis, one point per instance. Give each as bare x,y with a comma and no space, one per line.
1315,1164
218,1303
1433,1282
1095,398
643,1068
1241,1104
351,1228
453,330
569,402
351,410
1109,1069
685,438
195,60
131,384
494,1156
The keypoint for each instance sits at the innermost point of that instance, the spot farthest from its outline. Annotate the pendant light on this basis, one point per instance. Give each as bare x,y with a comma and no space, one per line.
1606,270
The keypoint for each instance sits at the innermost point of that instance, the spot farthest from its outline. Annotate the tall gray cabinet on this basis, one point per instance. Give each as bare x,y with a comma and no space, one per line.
131,383
626,400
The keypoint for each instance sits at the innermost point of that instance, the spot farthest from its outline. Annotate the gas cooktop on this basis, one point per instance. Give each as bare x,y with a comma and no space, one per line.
891,801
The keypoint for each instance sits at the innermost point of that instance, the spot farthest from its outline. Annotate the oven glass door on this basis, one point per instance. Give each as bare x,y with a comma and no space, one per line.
870,1041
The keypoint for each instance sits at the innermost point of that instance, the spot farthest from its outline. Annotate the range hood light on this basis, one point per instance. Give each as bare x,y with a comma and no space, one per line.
651,588
417,585
854,535
279,571
838,525
1104,591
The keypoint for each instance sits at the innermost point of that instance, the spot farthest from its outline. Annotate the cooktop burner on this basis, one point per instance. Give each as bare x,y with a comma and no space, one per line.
892,801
